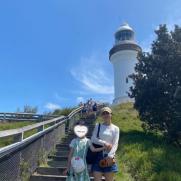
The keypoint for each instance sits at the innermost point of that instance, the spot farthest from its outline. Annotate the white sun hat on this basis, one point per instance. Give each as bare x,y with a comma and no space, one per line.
80,130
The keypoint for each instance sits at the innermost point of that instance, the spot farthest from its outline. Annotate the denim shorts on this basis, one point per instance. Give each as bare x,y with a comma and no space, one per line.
97,168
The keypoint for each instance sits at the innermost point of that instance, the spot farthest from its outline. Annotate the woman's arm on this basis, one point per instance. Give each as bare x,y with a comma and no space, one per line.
93,149
94,138
115,143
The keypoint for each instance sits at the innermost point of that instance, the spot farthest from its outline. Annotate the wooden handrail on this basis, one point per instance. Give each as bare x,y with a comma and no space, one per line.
9,116
17,131
29,127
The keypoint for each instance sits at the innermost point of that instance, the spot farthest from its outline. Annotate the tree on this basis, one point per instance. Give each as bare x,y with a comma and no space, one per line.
156,78
30,109
64,111
176,130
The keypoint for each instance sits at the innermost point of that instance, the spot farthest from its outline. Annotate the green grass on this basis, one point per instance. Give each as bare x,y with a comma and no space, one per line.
64,111
143,156
13,125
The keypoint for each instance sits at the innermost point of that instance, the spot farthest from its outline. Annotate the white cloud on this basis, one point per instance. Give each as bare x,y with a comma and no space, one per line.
80,92
107,99
52,106
93,77
80,99
58,97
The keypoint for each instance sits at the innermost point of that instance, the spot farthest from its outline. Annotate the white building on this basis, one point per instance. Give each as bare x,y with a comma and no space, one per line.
123,56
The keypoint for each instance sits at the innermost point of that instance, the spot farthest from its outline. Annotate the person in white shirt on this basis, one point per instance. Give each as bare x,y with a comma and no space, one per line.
109,138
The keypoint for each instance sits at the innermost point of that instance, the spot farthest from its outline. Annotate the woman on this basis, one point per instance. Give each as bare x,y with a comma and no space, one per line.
109,138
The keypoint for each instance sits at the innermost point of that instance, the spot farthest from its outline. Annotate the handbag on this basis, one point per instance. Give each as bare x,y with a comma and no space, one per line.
92,156
107,163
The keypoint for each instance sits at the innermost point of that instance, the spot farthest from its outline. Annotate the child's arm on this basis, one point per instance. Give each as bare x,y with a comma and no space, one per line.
70,157
93,149
69,161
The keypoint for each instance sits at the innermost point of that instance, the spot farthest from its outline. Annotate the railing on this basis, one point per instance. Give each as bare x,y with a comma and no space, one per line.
27,152
5,116
19,132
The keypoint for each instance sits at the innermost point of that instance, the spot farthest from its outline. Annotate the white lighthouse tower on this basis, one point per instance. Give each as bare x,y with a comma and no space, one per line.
123,56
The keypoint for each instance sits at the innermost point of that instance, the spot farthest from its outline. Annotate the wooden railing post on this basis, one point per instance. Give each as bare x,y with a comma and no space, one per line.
18,137
67,125
41,128
4,116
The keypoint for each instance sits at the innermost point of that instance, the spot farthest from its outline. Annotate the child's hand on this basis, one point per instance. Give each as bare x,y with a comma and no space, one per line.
65,172
104,147
108,146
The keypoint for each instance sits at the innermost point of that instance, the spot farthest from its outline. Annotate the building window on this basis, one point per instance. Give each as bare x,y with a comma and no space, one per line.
124,35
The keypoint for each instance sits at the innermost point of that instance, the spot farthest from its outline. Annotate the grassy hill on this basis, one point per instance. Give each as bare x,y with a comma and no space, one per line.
13,125
143,156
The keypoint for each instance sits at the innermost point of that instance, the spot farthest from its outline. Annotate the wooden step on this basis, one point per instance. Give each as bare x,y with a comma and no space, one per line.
62,145
47,178
58,158
51,178
56,163
61,153
59,149
88,135
52,171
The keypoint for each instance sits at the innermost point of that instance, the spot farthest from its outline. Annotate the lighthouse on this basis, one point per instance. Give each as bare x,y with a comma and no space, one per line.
123,56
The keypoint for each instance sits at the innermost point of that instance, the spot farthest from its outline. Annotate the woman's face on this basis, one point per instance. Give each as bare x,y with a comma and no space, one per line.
106,116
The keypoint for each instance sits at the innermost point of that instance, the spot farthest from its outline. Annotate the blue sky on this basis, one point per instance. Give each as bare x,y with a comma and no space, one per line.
54,53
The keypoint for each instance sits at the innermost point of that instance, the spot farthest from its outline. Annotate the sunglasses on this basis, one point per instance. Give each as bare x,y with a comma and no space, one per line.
105,113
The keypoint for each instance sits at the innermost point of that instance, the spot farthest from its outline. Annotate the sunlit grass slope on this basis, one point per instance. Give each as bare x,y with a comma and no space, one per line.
143,156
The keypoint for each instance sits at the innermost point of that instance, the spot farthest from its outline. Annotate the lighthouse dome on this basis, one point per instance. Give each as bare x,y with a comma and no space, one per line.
124,26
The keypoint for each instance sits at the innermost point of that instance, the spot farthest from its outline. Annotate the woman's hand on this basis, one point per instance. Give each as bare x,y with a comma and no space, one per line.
110,161
107,162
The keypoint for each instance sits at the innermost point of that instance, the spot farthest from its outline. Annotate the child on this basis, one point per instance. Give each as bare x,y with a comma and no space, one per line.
78,150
